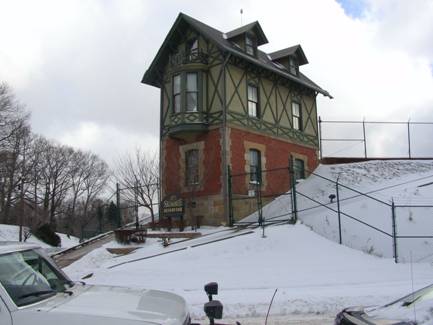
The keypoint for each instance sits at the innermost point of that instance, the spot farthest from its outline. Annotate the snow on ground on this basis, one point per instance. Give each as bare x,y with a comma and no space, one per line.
313,275
11,233
405,182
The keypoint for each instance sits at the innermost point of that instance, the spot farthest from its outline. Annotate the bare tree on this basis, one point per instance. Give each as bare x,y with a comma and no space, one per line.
138,175
14,138
35,190
12,115
95,176
56,178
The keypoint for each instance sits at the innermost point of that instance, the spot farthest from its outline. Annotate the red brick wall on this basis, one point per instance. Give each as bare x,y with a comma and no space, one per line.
276,156
212,164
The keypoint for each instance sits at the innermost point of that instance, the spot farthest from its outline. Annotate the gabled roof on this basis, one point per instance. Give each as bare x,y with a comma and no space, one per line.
152,75
254,27
289,51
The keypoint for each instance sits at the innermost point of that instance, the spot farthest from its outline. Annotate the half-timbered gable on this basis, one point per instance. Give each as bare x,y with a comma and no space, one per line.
227,104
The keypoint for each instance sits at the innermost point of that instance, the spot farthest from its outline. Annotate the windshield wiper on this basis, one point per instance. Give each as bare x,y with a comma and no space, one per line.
37,293
410,302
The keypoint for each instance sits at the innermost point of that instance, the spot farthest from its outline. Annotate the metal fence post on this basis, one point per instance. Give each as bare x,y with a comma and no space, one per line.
365,138
408,138
394,232
338,211
293,183
259,207
320,139
230,203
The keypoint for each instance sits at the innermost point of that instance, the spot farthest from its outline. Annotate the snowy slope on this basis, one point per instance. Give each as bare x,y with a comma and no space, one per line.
405,182
11,233
312,274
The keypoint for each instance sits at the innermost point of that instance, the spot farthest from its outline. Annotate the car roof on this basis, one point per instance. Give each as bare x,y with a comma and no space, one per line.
11,246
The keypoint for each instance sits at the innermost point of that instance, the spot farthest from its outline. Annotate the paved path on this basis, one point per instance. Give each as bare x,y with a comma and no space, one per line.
70,257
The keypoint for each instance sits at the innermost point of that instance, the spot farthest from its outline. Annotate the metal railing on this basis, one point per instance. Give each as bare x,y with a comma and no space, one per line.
362,136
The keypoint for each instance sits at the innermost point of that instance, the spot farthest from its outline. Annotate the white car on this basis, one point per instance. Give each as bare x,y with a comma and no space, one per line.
33,290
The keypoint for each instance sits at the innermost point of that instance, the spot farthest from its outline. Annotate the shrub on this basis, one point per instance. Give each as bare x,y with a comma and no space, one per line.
47,235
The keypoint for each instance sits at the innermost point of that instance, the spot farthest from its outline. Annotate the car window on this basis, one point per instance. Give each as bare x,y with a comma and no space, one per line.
28,277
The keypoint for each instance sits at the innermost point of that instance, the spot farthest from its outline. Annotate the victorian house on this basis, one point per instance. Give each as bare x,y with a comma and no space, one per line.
226,106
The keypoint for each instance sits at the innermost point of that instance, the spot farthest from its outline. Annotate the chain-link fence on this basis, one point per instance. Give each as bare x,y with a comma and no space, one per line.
362,220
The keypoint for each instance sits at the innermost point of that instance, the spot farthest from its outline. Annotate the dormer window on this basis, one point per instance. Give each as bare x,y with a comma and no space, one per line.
293,66
250,47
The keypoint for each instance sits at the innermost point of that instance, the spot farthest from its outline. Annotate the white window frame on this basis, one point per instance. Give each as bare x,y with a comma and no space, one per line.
297,116
253,103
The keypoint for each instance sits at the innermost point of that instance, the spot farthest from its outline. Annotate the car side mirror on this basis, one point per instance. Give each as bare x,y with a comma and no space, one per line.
213,310
211,289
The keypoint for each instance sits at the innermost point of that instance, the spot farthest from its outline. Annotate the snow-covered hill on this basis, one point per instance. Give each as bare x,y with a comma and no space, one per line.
312,274
11,233
405,182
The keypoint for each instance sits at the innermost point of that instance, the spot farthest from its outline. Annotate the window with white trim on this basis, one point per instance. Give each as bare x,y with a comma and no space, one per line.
297,116
299,169
253,101
293,65
186,92
191,92
255,166
177,93
250,45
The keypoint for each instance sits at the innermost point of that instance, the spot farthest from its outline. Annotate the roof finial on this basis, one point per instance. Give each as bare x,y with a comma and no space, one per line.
242,12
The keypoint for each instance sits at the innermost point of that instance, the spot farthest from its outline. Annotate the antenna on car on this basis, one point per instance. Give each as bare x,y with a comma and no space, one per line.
413,291
269,309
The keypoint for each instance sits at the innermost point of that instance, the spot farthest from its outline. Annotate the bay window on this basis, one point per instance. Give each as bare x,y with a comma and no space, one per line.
176,94
191,92
186,92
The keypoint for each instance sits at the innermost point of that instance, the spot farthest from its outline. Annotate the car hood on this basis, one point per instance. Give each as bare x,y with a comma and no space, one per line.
129,305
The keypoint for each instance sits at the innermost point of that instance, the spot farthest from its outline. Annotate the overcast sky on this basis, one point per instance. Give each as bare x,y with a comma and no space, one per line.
77,64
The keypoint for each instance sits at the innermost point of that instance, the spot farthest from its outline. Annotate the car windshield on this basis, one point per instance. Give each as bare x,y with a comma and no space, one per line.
417,305
28,277
425,293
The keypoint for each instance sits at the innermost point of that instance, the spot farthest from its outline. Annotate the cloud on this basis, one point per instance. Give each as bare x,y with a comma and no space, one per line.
79,63
109,142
